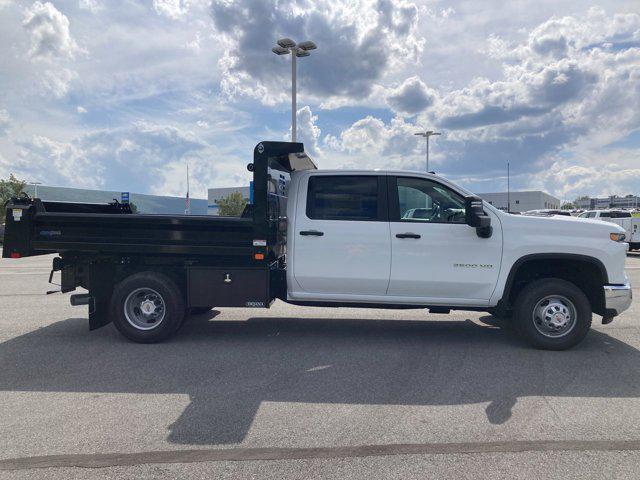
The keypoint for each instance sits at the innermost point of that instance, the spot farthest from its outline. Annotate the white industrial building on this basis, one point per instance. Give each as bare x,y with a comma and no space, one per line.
614,201
521,201
215,194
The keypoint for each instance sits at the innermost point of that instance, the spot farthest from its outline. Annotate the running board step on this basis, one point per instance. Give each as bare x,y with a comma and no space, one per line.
439,310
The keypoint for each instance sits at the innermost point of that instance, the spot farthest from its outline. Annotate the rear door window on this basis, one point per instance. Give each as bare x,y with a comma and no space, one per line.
345,197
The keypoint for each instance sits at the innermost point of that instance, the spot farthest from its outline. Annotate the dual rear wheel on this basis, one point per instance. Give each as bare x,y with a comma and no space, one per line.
147,307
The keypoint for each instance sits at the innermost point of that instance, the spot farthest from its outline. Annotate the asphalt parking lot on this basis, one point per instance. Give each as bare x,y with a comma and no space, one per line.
296,392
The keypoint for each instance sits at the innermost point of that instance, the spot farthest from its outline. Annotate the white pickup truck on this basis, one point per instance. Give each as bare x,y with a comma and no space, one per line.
630,224
350,241
332,238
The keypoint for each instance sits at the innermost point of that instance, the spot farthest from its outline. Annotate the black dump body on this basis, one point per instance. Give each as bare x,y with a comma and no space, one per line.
84,229
99,244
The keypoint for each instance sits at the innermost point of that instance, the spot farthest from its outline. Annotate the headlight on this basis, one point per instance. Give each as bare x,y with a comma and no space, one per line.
617,237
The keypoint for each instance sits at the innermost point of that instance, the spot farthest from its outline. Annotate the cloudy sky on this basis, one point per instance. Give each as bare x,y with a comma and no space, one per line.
120,95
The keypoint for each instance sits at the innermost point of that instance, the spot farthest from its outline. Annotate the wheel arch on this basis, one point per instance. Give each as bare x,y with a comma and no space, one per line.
586,272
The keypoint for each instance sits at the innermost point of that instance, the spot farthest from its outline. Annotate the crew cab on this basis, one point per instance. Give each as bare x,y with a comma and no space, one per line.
331,238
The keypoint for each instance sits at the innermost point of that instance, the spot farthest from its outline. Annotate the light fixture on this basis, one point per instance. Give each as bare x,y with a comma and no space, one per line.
287,46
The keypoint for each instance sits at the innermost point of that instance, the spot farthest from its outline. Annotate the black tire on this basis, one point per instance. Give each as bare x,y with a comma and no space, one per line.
537,291
199,310
172,303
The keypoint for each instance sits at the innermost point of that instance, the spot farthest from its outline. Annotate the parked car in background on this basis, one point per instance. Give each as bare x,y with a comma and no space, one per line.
605,214
547,213
634,240
623,218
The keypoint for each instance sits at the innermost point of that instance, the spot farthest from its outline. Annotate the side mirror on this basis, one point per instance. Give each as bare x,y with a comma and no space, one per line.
475,217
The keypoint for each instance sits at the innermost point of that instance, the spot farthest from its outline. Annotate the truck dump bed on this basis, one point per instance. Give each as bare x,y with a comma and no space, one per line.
35,227
213,261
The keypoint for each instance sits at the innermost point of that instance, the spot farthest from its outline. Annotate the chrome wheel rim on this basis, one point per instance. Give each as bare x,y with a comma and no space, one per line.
554,316
144,309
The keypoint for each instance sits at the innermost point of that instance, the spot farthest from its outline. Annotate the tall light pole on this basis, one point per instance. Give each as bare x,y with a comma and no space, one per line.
508,189
187,200
427,134
287,46
35,188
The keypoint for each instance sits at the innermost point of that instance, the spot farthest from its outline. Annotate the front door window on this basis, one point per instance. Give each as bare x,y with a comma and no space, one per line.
423,200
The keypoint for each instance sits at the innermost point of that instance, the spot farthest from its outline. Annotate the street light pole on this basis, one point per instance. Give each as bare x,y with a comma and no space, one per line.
427,153
286,46
508,189
427,134
294,107
35,188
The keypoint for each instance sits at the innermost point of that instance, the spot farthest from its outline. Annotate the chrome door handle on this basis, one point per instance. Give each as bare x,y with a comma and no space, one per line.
315,233
407,235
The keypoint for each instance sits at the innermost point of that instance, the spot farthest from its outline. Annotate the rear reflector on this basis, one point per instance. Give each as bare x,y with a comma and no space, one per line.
259,256
15,255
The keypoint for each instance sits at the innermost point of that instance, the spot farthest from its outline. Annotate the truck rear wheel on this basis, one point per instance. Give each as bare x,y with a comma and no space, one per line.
147,307
552,314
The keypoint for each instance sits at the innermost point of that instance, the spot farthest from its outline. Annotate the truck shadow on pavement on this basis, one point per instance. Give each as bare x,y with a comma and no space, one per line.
229,368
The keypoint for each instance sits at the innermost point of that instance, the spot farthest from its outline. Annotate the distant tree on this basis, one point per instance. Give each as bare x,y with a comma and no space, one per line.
232,205
133,207
9,188
568,206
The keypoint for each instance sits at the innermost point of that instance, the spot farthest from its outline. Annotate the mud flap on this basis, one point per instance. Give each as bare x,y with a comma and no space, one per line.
101,281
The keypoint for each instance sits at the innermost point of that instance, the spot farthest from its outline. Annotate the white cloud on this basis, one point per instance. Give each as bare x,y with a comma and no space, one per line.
307,131
370,143
57,81
602,178
49,32
520,82
81,109
94,6
359,44
146,158
411,97
572,85
170,8
5,121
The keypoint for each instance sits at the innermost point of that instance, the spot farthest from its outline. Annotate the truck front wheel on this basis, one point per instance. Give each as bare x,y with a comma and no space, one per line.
147,307
552,314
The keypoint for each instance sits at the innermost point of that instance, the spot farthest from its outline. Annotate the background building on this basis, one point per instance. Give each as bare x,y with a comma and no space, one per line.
614,201
215,194
152,204
521,201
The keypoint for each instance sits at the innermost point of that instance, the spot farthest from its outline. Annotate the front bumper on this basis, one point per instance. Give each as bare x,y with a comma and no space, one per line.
617,298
